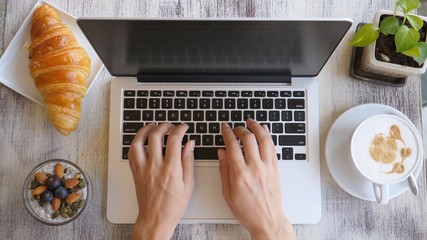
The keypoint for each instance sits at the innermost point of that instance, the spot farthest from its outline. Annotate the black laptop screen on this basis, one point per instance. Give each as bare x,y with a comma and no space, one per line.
276,47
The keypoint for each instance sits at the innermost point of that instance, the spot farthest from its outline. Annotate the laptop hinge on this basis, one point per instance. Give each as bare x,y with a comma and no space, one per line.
214,78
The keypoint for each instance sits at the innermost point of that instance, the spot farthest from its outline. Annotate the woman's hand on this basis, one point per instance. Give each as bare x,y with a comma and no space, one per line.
251,183
163,184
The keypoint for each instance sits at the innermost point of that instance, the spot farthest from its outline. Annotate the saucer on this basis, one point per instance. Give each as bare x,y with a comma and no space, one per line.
14,71
338,157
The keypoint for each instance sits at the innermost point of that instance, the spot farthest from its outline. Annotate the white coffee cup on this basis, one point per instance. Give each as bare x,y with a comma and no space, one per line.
386,149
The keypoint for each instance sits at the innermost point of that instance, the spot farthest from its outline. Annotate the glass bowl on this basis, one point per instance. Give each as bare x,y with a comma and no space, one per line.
67,212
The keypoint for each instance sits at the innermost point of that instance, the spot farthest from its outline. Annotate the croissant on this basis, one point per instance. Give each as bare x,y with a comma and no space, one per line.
59,68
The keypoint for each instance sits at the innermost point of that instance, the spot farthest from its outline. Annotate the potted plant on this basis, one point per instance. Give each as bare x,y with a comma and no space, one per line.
395,43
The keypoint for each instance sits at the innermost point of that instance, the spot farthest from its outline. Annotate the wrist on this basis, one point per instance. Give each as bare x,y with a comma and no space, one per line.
282,230
152,230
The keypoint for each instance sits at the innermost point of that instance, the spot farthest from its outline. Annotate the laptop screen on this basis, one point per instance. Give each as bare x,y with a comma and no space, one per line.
240,46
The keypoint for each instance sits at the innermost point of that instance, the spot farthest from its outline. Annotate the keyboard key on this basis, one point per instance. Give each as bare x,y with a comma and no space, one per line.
131,127
167,103
154,103
197,139
211,116
292,140
261,116
129,103
217,103
201,127
267,103
127,139
190,128
277,128
272,94
274,138
300,156
219,141
294,127
242,103
299,93
205,103
255,103
141,103
248,114
186,115
233,93
230,103
160,115
287,153
273,116
223,116
236,116
296,103
142,93
246,93
125,152
168,93
192,103
155,93
285,93
259,93
280,103
204,153
207,93
299,116
179,103
207,140
220,93
148,115
214,128
129,93
181,93
286,116
131,115
198,116
173,115
194,93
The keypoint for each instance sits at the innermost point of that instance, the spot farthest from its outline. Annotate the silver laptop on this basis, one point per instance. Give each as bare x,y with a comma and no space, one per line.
204,72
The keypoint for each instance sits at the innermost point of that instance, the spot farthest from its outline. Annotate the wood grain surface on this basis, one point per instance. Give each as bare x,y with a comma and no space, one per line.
28,138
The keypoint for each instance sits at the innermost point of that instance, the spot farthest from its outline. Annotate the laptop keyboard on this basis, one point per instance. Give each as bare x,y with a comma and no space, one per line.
283,111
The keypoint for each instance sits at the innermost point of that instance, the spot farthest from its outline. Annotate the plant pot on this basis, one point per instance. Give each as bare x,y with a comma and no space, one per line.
371,65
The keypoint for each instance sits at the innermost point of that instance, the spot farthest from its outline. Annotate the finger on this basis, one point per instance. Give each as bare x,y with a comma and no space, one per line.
224,171
155,142
249,143
174,145
233,150
274,157
265,143
137,154
188,164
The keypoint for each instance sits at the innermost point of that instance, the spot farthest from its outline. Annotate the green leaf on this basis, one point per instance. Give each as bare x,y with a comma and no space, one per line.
365,35
406,38
422,48
389,25
416,22
413,52
408,5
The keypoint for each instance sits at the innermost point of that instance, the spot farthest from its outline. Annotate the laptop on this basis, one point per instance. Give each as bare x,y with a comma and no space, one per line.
204,72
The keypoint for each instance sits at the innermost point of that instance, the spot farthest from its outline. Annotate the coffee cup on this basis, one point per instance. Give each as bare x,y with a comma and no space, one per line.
385,150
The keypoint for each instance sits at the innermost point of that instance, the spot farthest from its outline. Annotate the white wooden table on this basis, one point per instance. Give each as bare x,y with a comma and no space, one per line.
27,137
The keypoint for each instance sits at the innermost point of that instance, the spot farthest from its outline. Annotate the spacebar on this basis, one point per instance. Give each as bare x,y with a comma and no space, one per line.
205,153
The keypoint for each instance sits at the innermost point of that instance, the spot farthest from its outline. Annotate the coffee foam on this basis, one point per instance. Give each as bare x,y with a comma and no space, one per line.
385,148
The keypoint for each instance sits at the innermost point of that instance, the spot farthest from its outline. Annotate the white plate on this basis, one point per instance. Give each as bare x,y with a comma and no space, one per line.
14,71
338,157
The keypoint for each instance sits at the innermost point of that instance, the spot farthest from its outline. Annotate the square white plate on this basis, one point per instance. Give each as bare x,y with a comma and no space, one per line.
14,71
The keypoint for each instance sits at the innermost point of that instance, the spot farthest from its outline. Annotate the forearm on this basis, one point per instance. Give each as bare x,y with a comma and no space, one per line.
283,231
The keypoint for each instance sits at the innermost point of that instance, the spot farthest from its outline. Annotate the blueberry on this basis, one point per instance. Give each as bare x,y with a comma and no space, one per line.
53,182
61,192
47,196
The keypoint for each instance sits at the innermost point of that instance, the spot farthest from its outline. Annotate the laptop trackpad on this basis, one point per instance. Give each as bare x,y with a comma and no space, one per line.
207,203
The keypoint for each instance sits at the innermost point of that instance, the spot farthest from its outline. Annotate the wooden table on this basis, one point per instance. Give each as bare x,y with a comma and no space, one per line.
27,137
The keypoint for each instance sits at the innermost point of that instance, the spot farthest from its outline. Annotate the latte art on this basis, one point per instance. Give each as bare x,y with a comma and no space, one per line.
385,149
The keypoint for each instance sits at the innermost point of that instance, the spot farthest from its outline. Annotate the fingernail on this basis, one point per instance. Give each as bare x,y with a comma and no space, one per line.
224,124
192,145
